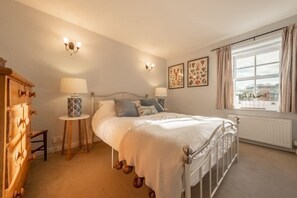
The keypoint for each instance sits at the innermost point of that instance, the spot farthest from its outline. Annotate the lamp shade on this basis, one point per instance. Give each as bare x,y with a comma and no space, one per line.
161,92
73,85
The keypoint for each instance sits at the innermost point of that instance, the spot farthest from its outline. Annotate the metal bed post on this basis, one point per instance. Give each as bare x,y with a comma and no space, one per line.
188,161
209,168
237,138
217,162
92,113
201,182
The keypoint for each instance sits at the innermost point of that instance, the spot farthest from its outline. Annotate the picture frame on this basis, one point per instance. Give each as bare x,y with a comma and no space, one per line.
176,76
198,72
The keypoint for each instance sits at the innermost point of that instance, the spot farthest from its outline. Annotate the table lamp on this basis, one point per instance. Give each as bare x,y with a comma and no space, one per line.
74,86
161,93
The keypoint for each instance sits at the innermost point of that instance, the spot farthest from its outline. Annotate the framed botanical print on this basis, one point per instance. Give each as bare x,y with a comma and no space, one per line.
176,76
198,72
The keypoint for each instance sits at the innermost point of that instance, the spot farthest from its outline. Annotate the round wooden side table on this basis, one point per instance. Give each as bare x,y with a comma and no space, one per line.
82,123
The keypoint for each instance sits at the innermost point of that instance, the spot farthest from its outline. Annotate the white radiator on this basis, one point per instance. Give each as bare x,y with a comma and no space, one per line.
277,132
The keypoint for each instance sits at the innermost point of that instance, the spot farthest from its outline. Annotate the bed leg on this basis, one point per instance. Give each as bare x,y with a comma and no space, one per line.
112,159
92,138
187,181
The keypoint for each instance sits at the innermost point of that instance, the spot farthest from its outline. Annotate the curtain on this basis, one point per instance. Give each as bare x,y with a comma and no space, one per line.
288,75
224,78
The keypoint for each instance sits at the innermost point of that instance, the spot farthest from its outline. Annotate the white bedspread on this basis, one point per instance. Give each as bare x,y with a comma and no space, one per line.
153,144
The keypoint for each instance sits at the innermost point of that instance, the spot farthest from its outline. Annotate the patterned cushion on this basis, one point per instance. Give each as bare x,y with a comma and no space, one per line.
147,110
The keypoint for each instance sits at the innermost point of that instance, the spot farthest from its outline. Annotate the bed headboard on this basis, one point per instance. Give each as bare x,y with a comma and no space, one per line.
117,95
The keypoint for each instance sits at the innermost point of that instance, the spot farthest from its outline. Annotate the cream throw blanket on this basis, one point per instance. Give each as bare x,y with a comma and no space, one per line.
154,148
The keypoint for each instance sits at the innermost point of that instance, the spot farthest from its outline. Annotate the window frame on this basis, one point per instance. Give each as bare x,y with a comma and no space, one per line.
254,51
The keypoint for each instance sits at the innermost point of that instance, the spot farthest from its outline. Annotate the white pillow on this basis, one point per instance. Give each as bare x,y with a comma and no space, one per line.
106,108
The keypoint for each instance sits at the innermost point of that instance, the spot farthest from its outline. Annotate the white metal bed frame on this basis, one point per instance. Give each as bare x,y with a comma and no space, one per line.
223,146
227,143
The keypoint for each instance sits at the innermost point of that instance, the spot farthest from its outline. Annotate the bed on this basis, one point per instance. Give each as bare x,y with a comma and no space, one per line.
170,152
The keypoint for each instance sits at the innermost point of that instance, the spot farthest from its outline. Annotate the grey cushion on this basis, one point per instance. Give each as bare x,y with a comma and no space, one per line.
125,108
151,101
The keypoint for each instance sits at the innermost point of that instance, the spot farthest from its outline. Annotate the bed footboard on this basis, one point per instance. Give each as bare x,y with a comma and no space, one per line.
215,157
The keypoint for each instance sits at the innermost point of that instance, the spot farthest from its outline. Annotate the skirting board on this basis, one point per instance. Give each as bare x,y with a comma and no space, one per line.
75,144
267,145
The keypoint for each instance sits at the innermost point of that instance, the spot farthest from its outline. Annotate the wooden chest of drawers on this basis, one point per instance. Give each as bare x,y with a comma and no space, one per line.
15,130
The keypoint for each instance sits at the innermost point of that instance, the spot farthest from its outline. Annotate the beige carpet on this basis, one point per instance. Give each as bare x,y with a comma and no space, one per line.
260,173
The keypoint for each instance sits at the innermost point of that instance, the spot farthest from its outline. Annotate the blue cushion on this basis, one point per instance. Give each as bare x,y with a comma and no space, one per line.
125,108
151,101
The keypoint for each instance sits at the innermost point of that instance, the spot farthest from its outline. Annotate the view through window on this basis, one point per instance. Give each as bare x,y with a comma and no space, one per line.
256,70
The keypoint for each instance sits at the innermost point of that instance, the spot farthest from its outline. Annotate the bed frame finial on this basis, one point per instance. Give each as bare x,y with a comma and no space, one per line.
188,151
237,120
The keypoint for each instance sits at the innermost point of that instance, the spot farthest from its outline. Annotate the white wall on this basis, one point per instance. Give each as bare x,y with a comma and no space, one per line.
202,100
32,42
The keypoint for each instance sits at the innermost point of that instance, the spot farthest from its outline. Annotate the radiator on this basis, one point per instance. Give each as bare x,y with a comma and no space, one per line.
277,132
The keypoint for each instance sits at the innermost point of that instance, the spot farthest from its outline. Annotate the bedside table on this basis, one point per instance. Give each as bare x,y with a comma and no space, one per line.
82,123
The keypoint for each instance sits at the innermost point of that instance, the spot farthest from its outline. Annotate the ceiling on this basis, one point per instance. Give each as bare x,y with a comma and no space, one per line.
167,28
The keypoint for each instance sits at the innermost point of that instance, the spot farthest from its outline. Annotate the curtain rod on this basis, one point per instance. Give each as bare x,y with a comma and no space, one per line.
250,38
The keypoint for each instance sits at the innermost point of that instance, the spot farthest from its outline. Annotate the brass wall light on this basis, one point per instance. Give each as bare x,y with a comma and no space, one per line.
70,47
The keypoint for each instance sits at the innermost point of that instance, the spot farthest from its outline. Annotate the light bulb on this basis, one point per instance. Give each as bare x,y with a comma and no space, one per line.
66,40
78,44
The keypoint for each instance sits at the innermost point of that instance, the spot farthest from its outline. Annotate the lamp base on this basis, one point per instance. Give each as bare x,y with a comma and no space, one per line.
161,101
74,107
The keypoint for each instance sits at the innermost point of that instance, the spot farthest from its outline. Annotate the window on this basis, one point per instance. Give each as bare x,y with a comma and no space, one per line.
256,74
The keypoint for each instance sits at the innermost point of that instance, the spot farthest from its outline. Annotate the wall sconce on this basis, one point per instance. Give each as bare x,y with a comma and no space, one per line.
149,66
70,47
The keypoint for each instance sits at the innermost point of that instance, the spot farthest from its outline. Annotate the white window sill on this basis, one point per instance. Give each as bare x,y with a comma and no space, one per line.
254,109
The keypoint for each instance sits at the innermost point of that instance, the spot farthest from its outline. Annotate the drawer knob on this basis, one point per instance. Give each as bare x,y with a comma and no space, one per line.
33,112
27,121
20,121
22,93
24,154
19,194
32,94
17,155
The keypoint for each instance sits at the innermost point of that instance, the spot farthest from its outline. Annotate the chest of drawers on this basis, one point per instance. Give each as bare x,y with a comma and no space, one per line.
15,129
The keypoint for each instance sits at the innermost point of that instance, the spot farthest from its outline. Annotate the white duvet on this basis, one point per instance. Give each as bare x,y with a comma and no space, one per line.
154,145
